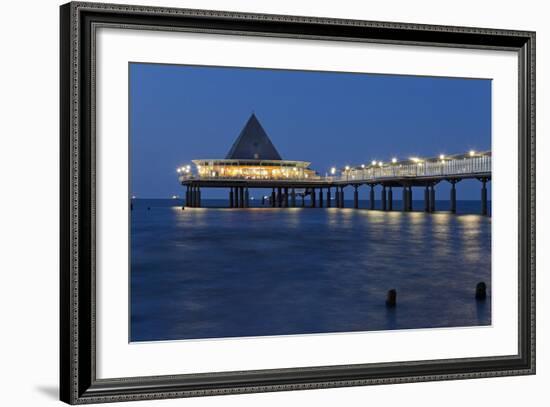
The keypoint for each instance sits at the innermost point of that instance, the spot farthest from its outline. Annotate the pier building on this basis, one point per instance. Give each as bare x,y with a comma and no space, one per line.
254,157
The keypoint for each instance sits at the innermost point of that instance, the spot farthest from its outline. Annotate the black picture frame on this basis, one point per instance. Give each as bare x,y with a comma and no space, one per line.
78,382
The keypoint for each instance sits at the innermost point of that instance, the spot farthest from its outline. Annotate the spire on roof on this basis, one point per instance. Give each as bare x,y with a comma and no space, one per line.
253,143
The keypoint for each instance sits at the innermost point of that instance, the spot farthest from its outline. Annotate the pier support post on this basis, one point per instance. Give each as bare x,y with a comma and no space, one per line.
390,199
246,198
273,198
231,197
187,195
453,196
355,197
484,196
320,197
383,197
337,197
241,197
312,195
342,198
198,198
287,197
405,207
279,197
303,200
293,198
427,199
432,198
371,196
328,198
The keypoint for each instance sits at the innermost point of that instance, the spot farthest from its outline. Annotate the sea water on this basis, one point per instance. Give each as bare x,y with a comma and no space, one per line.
218,272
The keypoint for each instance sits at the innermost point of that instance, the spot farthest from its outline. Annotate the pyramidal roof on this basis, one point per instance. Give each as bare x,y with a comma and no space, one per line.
253,143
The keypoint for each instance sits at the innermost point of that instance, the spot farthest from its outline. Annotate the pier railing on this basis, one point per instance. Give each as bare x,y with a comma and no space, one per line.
459,166
450,167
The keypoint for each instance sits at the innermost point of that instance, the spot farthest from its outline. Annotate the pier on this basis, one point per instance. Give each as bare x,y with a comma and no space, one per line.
254,163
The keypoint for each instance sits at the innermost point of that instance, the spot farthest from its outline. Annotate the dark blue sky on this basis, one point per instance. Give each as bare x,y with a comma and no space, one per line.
179,113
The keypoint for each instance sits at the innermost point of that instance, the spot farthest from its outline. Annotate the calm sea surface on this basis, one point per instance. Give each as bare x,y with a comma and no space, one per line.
210,273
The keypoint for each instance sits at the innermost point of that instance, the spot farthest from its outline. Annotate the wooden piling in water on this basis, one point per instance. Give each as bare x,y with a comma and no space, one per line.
481,291
391,298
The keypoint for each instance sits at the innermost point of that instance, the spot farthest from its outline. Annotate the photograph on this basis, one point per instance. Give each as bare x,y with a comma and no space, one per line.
269,202
273,200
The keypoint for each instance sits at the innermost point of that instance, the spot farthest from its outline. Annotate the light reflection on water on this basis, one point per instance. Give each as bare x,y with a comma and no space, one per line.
203,273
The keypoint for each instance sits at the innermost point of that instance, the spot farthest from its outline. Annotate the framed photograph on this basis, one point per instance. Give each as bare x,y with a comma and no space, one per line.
255,203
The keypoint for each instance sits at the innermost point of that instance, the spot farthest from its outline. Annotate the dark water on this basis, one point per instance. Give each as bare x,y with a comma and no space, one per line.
208,273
